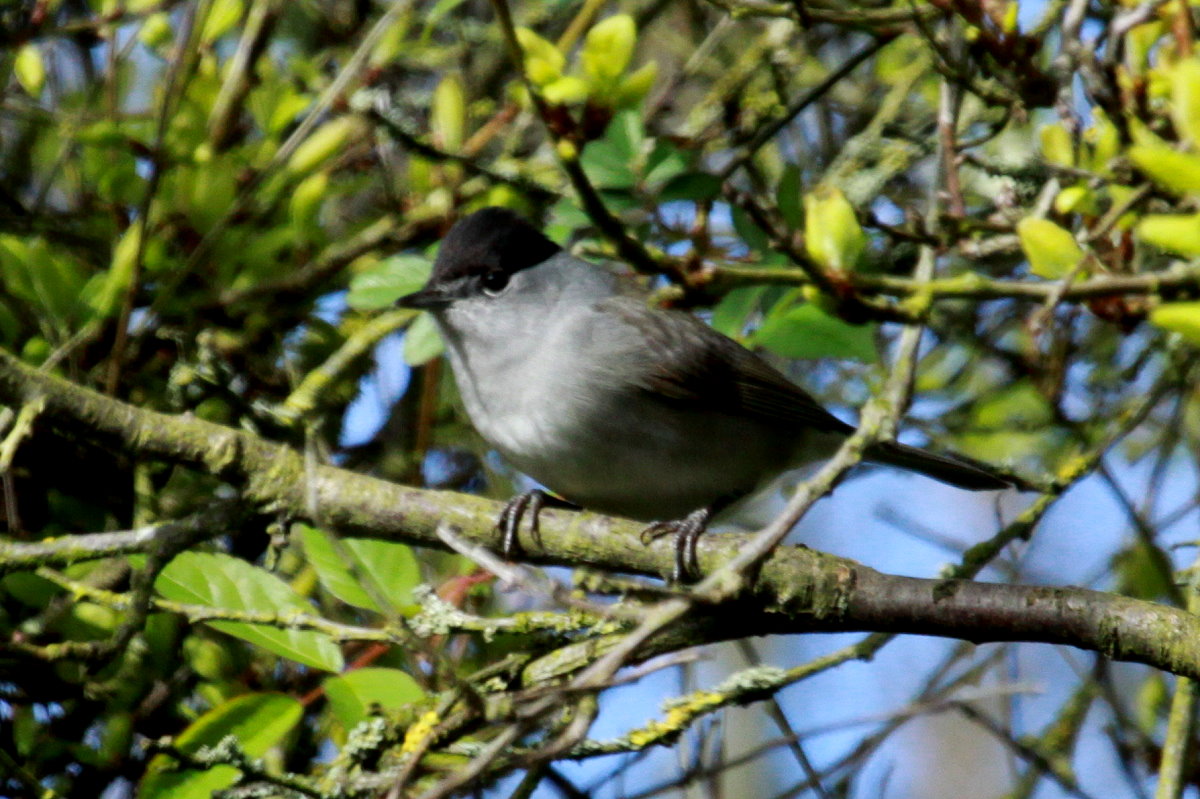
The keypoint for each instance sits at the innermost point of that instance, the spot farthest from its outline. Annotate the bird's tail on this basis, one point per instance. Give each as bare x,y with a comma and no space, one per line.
953,469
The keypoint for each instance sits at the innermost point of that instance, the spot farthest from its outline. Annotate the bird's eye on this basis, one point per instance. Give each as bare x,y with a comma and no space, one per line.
494,282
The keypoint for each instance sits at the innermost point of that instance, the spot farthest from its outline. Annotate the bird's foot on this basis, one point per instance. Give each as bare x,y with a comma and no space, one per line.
531,503
687,532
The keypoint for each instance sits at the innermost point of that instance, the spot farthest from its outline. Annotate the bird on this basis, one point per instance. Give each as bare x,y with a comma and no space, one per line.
617,406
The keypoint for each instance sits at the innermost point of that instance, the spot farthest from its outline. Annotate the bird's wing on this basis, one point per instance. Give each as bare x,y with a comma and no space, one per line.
696,366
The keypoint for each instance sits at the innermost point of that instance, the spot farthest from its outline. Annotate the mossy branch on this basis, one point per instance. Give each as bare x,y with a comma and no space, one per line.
796,590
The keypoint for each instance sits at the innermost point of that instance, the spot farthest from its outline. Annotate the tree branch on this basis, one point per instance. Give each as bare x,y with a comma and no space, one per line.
797,590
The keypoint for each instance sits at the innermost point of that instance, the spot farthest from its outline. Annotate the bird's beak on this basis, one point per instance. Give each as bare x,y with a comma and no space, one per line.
430,298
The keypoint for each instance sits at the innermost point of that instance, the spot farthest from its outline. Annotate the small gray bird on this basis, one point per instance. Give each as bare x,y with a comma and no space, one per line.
616,406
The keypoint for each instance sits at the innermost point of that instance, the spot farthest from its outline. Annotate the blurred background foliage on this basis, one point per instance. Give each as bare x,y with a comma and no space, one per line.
208,207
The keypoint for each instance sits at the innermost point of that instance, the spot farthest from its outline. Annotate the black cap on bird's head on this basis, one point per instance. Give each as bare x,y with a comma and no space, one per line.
480,253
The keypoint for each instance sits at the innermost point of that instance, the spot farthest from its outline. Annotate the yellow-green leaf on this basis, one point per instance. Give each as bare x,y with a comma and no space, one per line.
30,69
1179,317
567,90
1177,233
1051,250
1151,703
156,31
1012,17
832,234
448,117
222,16
322,144
306,200
608,48
1175,171
543,61
109,292
1056,145
392,42
1140,41
637,84
1119,196
1105,142
1075,199
1185,99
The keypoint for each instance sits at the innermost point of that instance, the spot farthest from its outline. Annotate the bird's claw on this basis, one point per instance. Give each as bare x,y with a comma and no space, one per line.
509,523
687,532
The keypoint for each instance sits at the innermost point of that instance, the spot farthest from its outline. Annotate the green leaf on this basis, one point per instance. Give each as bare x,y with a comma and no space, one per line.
1120,197
832,235
257,721
1051,250
789,197
107,295
17,259
220,581
352,695
665,162
435,14
1177,233
734,309
60,286
1174,171
1005,424
1185,99
608,164
388,281
1143,571
211,190
754,236
805,331
1179,317
693,186
391,566
422,341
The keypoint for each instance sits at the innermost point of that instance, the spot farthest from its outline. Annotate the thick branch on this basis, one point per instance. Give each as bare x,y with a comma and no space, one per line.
798,589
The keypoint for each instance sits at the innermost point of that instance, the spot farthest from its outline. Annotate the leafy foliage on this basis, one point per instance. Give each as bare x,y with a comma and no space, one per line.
208,208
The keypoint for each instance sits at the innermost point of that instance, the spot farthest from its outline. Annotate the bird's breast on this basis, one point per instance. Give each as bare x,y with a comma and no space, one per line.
562,409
